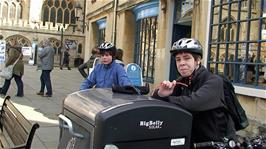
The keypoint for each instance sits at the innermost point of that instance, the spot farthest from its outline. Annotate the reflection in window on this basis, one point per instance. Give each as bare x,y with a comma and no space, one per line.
146,46
240,50
101,36
101,31
227,26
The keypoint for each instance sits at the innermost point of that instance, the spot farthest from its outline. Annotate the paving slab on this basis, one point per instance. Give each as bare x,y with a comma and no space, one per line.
44,110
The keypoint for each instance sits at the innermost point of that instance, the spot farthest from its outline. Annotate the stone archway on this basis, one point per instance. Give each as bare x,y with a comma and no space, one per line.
18,40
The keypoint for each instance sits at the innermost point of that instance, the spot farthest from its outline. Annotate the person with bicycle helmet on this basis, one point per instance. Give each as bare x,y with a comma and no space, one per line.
108,73
199,91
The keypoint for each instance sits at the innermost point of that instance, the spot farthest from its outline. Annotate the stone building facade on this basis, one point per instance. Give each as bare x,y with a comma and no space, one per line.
27,23
146,29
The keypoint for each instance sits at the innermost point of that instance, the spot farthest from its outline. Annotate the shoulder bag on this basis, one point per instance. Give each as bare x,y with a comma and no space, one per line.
7,72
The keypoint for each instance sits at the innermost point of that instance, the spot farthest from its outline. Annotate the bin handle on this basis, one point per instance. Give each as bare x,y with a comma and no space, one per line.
68,125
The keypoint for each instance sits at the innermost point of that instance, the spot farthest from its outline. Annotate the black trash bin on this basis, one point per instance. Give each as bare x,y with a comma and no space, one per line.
101,119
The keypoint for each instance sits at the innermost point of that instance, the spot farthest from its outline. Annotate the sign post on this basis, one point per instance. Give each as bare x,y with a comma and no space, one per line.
134,73
2,55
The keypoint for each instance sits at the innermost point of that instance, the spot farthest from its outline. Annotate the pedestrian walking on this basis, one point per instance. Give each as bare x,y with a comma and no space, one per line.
66,60
108,73
199,91
94,60
14,56
47,59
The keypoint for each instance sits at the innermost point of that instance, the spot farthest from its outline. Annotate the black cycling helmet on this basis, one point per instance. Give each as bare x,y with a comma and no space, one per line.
187,45
107,47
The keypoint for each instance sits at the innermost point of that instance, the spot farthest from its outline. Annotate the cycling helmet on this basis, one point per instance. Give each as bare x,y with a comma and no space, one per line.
187,45
107,47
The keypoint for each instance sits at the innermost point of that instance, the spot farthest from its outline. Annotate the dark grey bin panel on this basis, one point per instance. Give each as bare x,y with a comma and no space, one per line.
125,121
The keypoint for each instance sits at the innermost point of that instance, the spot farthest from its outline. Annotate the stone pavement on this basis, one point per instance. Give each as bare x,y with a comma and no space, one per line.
44,110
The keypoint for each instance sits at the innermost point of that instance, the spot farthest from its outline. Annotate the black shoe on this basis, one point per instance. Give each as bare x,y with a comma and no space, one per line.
69,68
40,93
61,68
19,95
46,95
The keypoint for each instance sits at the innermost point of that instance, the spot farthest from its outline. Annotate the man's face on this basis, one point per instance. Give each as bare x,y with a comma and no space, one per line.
186,63
106,58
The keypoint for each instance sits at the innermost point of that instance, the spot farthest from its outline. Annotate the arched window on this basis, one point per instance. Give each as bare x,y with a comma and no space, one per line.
5,10
19,11
59,15
66,17
12,11
58,11
53,16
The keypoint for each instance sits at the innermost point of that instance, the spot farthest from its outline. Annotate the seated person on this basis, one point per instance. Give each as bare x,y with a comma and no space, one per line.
108,73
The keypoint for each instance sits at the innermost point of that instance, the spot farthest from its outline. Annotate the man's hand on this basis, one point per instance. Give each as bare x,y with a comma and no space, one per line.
166,88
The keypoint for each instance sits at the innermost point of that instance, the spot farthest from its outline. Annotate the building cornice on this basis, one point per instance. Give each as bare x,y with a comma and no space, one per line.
130,5
125,6
57,33
98,11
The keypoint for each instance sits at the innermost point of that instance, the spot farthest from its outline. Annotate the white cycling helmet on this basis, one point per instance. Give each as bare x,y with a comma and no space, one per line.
107,47
187,45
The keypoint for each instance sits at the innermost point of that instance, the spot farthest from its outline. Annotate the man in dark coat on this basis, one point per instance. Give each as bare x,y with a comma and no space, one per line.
66,60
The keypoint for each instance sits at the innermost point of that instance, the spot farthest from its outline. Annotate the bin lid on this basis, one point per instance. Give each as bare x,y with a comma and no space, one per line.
88,103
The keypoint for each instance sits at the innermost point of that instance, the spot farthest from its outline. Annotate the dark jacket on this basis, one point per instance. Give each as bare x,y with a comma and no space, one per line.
94,60
203,98
13,55
66,57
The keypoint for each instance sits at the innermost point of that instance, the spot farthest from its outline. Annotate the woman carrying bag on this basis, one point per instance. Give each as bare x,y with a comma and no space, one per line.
15,55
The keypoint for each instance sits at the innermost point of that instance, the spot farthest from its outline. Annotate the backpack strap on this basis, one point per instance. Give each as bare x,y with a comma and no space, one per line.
17,59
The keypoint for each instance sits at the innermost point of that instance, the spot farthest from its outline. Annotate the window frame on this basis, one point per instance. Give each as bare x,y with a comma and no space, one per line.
149,35
240,87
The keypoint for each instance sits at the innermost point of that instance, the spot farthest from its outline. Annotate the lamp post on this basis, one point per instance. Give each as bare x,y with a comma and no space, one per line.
35,40
61,45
